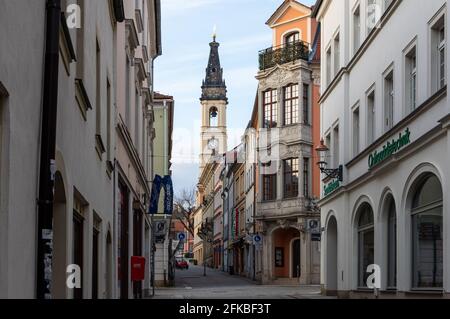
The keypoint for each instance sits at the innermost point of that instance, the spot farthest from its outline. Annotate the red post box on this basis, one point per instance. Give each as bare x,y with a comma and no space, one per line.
137,268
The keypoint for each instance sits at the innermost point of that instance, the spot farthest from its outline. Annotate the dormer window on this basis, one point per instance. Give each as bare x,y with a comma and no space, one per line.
292,37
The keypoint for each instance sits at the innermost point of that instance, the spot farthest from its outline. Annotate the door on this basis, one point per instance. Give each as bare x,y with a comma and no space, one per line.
296,270
123,242
95,264
78,251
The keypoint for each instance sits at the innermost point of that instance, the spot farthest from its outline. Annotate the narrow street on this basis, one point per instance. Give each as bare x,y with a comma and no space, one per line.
191,284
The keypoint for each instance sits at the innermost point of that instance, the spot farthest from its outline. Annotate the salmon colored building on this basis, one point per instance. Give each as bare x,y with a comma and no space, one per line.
289,130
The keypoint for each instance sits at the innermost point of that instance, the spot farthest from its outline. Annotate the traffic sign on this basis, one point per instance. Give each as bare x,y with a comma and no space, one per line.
257,239
181,236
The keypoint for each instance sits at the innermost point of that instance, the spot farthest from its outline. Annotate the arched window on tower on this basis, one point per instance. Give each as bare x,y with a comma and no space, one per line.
213,117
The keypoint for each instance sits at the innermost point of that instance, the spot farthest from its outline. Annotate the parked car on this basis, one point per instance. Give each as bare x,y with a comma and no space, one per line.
181,264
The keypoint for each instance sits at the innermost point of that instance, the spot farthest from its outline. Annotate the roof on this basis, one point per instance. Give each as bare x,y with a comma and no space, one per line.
160,96
316,8
283,7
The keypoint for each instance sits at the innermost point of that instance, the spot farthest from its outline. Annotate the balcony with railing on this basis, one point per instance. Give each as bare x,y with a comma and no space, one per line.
289,52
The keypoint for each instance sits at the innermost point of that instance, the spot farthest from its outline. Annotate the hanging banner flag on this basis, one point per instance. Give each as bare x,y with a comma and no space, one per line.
154,199
158,183
168,196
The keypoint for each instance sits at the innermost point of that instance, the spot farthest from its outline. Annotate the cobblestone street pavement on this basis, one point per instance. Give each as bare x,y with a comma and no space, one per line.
191,284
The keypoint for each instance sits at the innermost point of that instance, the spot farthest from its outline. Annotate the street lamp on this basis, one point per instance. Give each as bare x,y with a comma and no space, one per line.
323,153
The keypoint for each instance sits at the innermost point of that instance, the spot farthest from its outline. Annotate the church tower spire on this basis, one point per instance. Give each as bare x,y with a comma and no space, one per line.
214,103
214,87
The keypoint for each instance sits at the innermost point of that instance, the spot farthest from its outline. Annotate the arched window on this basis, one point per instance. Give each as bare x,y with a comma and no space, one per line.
213,117
427,234
292,37
366,243
391,243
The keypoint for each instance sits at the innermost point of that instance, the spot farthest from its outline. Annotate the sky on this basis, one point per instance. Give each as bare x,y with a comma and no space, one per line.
187,28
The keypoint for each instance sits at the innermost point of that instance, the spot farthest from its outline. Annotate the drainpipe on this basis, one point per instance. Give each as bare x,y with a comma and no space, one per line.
254,221
48,150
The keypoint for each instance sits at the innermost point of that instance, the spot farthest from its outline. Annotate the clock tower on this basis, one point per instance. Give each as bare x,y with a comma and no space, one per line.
214,101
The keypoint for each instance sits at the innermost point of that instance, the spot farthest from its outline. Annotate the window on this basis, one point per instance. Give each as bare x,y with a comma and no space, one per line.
292,38
411,79
108,120
137,111
98,90
356,29
127,94
389,101
1,129
392,245
427,234
80,42
328,69
438,54
387,4
373,15
291,104
291,174
371,117
270,108
356,131
306,177
270,187
337,54
306,104
336,146
213,117
366,243
328,144
441,53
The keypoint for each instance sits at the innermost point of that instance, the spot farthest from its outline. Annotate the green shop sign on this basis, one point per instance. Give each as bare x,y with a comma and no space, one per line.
390,149
331,188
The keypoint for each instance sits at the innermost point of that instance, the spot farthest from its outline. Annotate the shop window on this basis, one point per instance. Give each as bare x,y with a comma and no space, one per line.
392,244
427,234
366,243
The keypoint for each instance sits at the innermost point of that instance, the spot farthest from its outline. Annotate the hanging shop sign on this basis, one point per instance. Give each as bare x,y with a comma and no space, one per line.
159,183
331,188
390,148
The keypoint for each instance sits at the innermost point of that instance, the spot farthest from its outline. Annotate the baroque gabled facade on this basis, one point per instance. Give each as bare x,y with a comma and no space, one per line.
288,119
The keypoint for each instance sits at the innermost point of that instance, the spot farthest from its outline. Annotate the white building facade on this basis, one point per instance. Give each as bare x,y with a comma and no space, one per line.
384,117
84,219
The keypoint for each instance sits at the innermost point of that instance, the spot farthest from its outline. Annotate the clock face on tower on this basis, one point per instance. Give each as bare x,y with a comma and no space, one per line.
213,144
